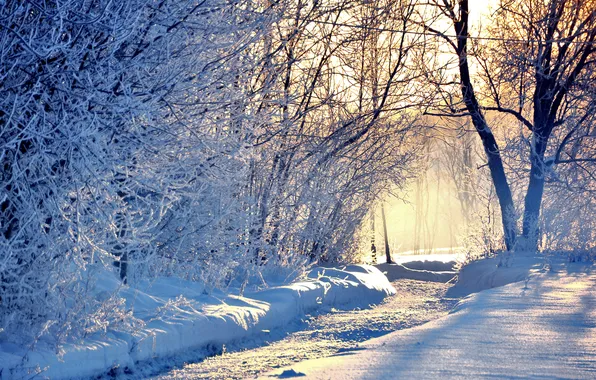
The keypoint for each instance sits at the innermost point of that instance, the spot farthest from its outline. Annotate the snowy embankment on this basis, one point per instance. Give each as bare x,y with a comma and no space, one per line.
540,327
179,316
435,268
499,271
398,271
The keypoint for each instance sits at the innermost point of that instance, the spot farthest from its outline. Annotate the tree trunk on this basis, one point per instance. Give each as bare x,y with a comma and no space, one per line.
497,173
387,250
373,247
533,199
491,148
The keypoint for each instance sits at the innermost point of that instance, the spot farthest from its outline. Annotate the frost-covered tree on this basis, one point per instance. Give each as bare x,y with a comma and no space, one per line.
537,68
114,115
198,139
335,127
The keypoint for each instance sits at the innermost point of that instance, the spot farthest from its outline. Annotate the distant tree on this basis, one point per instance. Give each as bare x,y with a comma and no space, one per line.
336,127
386,237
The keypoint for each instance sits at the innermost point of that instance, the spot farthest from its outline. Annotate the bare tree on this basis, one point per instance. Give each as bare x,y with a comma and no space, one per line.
386,237
534,67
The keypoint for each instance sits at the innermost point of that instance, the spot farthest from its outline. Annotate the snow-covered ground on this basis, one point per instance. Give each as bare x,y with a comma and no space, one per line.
180,316
317,335
436,267
399,271
541,327
444,255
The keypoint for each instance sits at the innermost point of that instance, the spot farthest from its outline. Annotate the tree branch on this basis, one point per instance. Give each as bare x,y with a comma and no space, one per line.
515,113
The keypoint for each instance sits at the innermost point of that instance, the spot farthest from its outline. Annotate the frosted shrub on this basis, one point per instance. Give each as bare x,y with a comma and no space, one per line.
482,242
568,224
94,156
180,138
484,236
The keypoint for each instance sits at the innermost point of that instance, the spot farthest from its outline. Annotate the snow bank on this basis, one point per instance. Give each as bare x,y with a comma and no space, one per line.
442,256
174,324
398,271
496,271
542,328
430,265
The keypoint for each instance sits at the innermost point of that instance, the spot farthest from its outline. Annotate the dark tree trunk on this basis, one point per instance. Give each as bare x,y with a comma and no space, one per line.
532,204
387,250
533,199
497,173
120,249
491,148
373,247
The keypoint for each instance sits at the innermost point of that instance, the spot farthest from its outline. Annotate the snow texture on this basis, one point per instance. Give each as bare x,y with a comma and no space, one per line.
542,327
497,271
398,271
174,324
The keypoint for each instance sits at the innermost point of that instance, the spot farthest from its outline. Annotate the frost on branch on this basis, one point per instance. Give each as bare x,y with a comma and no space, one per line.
202,140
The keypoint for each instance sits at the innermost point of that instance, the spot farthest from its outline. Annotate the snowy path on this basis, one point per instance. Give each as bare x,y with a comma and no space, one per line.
415,303
543,329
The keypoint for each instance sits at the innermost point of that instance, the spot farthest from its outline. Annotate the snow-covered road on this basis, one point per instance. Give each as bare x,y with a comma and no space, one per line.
542,328
324,335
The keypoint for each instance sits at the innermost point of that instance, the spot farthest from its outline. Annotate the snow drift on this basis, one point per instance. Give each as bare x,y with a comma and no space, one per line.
496,271
178,315
399,271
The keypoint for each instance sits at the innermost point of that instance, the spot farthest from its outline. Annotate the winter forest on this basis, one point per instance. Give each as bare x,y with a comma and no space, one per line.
227,141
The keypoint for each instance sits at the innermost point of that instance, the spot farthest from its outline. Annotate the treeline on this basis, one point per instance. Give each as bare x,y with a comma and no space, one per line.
202,139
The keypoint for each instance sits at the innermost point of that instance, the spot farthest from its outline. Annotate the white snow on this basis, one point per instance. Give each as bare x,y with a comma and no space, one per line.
439,255
541,327
180,316
398,271
497,271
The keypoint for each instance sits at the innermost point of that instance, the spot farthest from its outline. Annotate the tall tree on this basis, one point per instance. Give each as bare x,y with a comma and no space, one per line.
541,57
